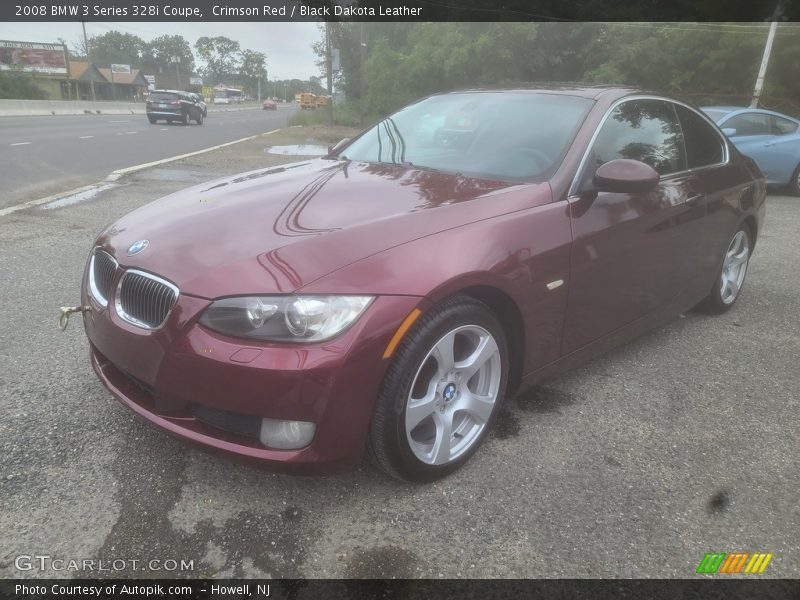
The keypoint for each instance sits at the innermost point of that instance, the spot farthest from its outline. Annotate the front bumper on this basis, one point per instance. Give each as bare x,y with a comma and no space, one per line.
175,376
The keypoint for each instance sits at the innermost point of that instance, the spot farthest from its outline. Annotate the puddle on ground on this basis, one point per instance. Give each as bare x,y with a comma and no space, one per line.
79,197
298,150
173,175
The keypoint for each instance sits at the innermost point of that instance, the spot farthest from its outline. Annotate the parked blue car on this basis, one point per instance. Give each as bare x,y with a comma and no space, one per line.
769,138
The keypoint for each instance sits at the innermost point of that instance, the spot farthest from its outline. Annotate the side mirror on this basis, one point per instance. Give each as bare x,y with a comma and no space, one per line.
625,176
729,131
339,145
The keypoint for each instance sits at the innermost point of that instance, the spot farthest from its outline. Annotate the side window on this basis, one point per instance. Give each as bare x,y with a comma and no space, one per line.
643,130
703,143
781,126
749,124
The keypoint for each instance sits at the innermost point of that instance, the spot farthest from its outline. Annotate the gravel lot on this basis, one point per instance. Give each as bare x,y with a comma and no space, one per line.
633,465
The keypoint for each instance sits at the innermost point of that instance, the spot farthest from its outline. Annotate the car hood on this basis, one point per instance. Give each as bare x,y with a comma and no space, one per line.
275,230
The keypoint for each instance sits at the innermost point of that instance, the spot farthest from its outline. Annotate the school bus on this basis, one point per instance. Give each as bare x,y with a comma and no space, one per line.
308,101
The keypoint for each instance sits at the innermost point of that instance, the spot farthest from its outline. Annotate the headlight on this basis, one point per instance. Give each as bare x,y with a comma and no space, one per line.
285,318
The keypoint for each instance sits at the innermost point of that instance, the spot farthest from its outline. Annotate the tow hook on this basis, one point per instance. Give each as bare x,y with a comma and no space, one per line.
66,311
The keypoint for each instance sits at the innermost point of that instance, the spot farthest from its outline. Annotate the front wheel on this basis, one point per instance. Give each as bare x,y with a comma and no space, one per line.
730,278
199,118
185,118
152,120
441,394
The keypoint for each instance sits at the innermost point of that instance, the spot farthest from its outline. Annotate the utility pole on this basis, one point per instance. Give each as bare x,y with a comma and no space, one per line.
259,87
88,57
329,70
762,71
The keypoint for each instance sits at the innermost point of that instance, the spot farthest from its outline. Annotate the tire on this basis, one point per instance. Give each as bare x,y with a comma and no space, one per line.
794,184
199,118
731,275
152,120
185,118
414,379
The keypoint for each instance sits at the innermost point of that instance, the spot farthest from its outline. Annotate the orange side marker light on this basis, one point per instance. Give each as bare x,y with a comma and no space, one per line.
401,331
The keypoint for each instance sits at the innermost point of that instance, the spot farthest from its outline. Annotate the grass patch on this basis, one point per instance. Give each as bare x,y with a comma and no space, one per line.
346,115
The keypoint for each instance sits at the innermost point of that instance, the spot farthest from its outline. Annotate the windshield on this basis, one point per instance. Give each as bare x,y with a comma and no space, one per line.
504,135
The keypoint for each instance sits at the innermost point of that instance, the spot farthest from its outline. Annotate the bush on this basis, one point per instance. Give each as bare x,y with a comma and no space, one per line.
19,87
343,114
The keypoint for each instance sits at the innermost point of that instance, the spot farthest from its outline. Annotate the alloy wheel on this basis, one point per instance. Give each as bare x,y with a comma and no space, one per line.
453,395
734,267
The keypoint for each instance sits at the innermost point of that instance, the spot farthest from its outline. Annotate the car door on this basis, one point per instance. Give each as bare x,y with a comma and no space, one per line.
721,186
782,152
631,252
769,140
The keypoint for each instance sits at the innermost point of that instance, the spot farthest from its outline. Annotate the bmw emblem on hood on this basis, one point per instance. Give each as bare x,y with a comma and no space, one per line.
137,247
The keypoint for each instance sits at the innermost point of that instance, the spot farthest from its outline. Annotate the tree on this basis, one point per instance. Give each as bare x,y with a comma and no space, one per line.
699,62
116,47
252,69
221,56
157,54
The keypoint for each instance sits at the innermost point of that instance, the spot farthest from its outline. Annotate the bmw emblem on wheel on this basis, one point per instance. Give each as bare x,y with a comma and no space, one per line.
137,247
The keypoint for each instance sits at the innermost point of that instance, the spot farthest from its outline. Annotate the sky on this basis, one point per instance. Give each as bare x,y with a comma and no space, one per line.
287,45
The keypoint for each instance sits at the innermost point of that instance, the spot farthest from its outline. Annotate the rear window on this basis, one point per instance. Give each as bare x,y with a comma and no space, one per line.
703,143
162,97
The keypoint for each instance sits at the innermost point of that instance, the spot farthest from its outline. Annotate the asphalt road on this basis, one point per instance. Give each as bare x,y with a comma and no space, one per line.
47,155
634,465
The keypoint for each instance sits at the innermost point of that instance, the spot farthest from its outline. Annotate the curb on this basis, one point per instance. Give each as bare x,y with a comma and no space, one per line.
120,173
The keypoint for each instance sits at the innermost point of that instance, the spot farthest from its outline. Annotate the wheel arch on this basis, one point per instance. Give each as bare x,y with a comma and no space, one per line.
505,308
752,225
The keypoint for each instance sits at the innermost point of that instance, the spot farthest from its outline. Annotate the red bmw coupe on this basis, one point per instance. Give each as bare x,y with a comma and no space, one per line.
385,299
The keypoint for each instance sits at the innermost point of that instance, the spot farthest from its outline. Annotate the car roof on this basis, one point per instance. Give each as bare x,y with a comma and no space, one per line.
565,88
723,108
729,110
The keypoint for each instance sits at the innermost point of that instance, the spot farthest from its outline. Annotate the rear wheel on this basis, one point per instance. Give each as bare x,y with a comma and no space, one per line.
730,278
152,120
441,393
794,184
185,118
199,118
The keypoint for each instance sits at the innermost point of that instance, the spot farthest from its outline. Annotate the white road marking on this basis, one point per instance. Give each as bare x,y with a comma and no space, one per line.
130,132
113,176
86,137
125,121
21,144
